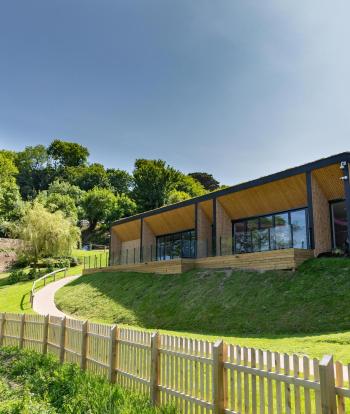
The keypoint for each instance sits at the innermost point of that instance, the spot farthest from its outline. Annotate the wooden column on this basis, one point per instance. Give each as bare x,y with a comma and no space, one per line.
214,228
196,228
154,368
310,210
327,386
141,236
218,377
346,179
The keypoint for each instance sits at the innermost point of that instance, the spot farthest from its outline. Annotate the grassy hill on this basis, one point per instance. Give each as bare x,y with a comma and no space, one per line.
251,305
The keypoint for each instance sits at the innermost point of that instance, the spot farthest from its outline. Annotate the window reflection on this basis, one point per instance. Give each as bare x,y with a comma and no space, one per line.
175,245
271,232
340,225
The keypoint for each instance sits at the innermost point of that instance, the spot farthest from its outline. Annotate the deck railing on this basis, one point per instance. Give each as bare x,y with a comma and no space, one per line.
197,376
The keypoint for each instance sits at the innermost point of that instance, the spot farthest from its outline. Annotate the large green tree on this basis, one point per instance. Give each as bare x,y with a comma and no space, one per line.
46,234
67,154
120,181
153,182
34,171
190,186
207,180
87,177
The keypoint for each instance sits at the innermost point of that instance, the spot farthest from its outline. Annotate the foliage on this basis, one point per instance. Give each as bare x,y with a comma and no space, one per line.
176,196
34,171
17,276
46,234
101,205
120,181
87,177
65,389
59,202
153,182
62,187
207,180
190,186
67,154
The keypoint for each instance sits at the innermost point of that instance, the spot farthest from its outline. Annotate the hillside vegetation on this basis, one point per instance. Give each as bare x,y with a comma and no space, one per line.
311,300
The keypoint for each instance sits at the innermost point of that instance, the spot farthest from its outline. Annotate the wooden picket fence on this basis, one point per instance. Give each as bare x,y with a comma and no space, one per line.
197,376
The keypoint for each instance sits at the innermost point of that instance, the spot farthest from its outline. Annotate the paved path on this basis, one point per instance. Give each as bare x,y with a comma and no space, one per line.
44,299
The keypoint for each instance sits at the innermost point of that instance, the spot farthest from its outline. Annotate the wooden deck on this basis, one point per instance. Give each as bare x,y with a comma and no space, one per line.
286,259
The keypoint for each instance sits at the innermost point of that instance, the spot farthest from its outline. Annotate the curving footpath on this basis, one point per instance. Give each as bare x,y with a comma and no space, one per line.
44,299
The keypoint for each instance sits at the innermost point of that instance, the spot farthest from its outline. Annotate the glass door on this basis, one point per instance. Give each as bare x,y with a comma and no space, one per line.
339,225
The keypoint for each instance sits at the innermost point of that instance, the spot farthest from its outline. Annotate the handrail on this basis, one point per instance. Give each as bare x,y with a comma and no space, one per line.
32,292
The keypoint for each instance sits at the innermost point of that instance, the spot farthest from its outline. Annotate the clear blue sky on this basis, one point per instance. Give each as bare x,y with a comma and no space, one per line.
237,88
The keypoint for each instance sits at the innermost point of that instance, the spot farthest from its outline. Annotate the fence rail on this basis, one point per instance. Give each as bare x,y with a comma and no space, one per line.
44,278
198,376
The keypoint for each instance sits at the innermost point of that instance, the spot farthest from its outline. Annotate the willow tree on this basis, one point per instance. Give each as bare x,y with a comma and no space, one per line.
46,234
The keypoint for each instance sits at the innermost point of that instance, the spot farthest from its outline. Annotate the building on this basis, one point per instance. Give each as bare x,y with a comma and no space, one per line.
274,222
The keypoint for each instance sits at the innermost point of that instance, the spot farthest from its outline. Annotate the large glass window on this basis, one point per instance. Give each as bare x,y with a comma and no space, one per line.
271,232
340,225
175,245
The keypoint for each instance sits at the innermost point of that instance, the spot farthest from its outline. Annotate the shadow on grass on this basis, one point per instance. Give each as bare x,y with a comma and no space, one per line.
244,304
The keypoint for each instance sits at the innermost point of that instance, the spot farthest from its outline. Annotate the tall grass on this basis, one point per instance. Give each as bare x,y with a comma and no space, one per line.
35,383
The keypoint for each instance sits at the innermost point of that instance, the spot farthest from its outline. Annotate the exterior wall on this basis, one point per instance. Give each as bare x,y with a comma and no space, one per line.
322,220
223,231
204,234
149,246
130,251
115,249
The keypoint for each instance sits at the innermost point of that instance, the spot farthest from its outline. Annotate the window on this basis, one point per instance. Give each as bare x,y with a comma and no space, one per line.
339,225
271,232
175,245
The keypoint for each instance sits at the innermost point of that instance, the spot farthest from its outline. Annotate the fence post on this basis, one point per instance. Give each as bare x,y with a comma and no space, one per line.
113,353
154,368
83,345
62,339
45,333
2,326
327,386
65,272
21,331
218,377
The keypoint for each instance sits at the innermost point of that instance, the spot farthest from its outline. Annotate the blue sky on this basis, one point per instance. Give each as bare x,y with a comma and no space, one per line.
236,88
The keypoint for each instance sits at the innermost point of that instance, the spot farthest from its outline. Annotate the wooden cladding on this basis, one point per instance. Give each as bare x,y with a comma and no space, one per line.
277,196
329,180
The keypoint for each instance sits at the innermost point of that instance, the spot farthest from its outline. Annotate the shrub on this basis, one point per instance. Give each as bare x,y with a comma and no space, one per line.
17,276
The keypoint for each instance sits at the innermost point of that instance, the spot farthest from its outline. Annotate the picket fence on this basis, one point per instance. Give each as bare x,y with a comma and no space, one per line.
197,376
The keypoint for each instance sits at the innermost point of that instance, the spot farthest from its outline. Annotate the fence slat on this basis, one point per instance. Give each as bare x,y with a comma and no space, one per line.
327,383
154,368
339,382
218,377
45,333
62,339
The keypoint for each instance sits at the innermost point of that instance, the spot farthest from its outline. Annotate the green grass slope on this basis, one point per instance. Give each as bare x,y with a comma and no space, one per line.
313,299
304,311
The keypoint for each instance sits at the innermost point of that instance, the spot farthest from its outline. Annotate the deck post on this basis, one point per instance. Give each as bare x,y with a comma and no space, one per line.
327,386
214,228
154,368
310,210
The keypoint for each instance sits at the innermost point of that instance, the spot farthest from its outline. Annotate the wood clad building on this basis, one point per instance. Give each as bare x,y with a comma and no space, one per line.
276,221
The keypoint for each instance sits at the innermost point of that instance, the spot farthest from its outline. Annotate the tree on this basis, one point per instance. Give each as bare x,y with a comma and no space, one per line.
34,172
120,181
189,185
87,177
207,180
62,187
46,234
98,204
10,200
176,196
59,202
153,182
67,154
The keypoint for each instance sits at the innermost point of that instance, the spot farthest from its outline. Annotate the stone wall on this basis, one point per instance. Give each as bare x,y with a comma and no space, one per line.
322,220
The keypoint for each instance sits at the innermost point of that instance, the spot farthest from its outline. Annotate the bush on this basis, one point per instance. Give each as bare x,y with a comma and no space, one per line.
32,274
21,262
17,276
67,389
74,261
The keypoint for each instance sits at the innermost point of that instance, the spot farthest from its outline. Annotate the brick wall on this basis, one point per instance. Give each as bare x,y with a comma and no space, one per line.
322,222
204,234
223,231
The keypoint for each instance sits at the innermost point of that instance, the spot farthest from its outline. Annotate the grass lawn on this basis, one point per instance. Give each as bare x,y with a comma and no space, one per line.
304,311
15,298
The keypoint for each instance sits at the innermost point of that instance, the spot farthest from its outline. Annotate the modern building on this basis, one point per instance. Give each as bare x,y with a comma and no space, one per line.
273,222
